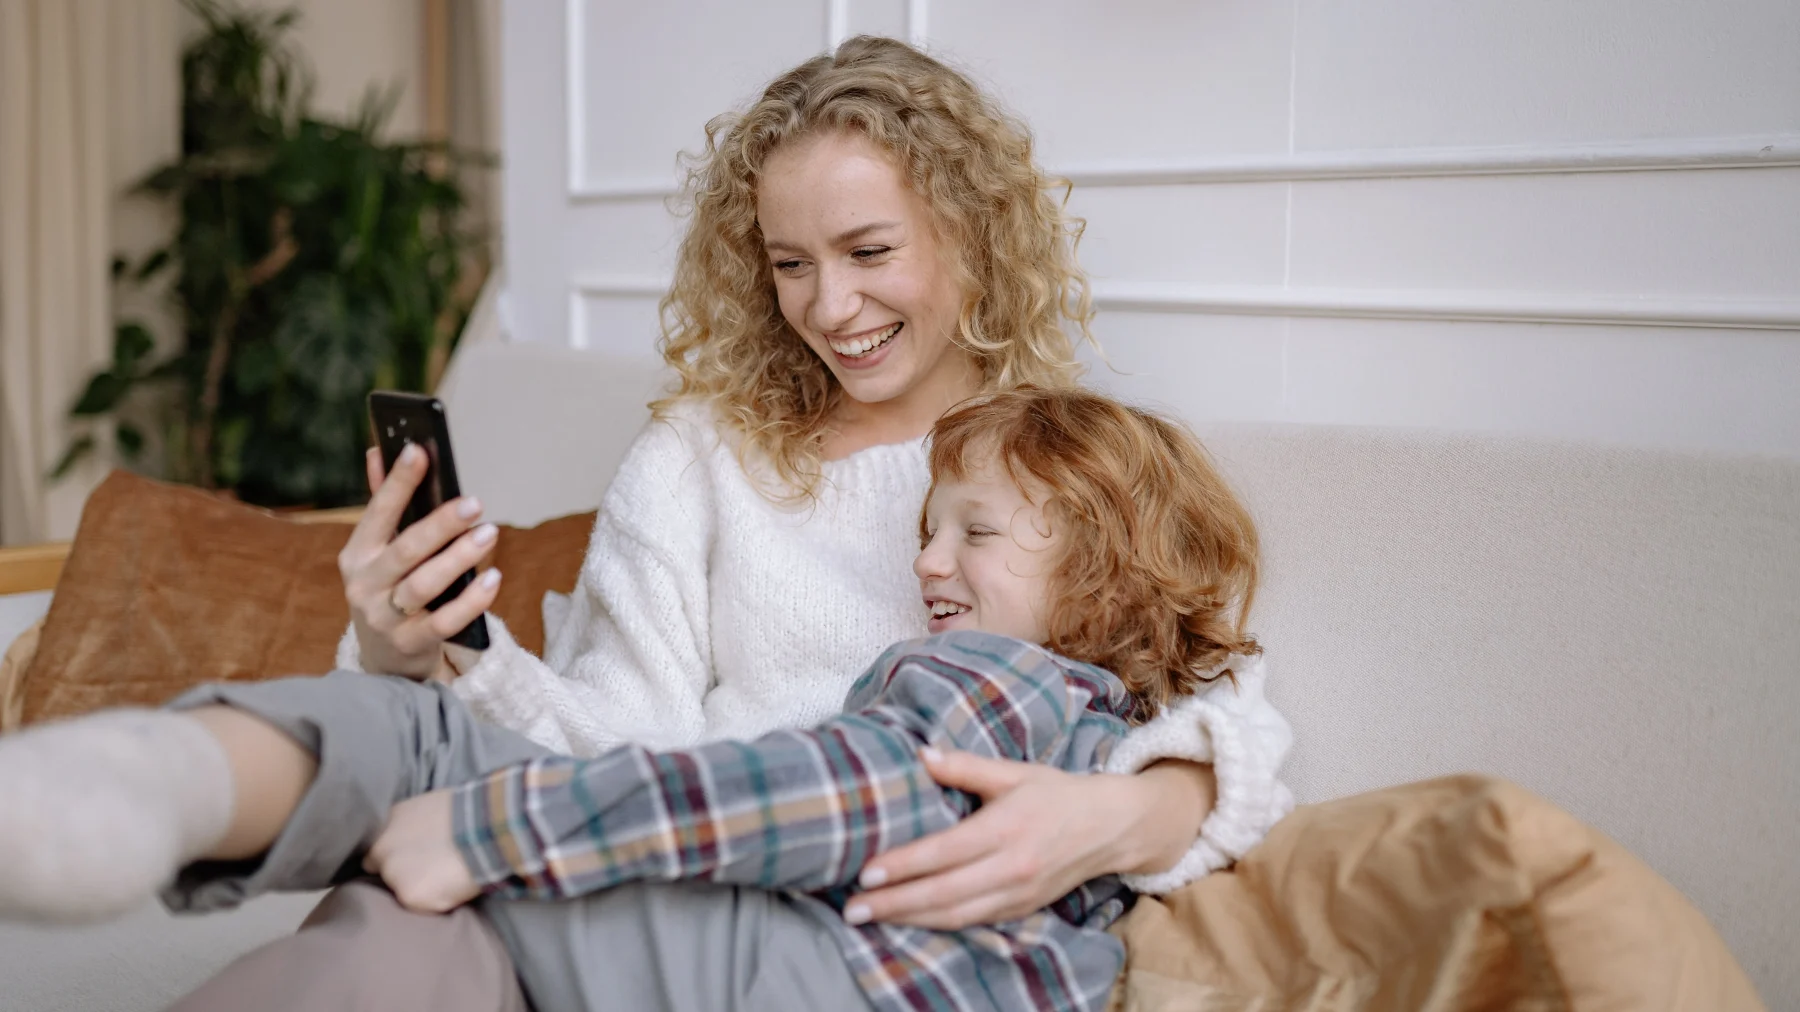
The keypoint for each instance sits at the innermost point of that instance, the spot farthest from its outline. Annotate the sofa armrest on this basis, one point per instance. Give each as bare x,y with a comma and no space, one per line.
32,567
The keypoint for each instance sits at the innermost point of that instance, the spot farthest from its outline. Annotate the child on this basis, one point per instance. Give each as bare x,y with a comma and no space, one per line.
1082,562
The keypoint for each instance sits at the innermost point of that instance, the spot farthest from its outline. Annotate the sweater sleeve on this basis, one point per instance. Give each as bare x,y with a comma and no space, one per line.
1233,727
632,663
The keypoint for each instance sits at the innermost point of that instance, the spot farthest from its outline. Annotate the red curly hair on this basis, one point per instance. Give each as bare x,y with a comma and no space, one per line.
1156,563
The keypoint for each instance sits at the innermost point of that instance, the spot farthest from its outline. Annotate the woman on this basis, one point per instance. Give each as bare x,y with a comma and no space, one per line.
871,243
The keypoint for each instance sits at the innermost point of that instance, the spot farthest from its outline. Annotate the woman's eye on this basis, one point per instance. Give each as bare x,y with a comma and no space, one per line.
868,253
789,266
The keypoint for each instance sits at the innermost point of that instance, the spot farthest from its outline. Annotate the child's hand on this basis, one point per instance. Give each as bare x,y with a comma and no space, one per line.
416,856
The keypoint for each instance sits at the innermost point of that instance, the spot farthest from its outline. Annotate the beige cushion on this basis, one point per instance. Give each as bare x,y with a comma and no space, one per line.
12,675
1461,893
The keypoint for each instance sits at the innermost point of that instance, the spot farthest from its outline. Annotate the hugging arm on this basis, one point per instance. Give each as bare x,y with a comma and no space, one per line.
795,809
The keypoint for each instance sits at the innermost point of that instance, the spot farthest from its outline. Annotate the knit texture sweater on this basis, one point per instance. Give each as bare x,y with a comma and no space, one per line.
706,611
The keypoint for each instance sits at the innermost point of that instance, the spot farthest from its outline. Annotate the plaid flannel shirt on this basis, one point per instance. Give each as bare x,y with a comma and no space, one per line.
803,811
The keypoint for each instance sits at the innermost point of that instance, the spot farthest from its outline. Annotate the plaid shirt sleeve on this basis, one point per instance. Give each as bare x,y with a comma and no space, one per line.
793,809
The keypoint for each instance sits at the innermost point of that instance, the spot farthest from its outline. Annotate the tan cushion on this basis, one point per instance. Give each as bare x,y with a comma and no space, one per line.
12,674
167,587
1457,893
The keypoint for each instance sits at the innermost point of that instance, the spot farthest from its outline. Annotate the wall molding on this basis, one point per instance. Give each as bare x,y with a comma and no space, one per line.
575,94
1447,305
918,22
1685,155
1366,303
1689,154
837,22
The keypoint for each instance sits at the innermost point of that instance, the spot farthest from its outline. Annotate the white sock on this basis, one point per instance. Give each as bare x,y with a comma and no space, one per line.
98,813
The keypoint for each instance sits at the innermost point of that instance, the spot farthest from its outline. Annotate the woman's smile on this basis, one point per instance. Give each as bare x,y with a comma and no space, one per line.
865,351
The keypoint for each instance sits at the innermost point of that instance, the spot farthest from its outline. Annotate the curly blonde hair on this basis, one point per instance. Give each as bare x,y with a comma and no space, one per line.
1156,561
1014,245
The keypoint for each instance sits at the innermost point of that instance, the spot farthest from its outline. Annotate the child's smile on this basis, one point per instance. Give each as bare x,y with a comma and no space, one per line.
986,561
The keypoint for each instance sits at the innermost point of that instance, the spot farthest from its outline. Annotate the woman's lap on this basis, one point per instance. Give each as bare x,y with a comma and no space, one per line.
360,951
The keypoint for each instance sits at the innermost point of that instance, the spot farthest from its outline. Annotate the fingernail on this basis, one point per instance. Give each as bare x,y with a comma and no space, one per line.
411,453
931,754
490,579
856,913
873,878
469,508
486,533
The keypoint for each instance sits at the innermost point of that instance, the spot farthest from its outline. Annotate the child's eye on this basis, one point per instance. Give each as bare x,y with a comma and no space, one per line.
975,533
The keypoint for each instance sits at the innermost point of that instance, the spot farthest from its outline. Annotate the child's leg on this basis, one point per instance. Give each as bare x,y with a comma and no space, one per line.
679,946
270,773
98,811
302,771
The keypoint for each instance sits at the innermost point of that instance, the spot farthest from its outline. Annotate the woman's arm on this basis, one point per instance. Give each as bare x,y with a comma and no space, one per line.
630,662
1041,832
792,809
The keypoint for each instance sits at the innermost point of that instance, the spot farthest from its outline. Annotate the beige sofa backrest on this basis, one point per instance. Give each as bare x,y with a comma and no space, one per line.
1617,629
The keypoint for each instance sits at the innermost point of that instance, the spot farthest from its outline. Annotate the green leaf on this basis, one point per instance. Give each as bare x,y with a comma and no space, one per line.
103,393
228,452
80,448
170,368
131,342
118,267
130,439
155,262
164,180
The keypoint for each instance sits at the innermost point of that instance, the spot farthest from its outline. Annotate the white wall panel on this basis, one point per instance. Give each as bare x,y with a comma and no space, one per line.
875,17
1410,73
623,236
1725,390
647,76
1485,215
618,324
1717,233
1232,234
1154,79
1202,368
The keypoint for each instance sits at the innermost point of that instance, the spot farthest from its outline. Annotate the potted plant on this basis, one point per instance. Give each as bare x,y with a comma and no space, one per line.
314,260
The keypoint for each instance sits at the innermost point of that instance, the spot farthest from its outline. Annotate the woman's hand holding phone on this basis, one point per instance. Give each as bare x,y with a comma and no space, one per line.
389,579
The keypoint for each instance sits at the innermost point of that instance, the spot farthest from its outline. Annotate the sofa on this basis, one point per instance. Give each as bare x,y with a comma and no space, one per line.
1613,629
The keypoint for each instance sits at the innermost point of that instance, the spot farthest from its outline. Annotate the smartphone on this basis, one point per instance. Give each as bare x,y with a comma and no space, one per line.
399,419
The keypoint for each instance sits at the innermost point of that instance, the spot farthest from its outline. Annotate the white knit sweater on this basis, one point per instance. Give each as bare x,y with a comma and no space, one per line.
705,611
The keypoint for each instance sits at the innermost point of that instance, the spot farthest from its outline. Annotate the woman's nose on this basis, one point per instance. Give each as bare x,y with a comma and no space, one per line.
836,302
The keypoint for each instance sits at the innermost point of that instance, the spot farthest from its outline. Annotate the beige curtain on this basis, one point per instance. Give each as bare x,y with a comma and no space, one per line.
89,101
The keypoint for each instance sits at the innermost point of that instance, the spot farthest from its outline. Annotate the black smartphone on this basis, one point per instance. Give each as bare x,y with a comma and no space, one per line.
400,419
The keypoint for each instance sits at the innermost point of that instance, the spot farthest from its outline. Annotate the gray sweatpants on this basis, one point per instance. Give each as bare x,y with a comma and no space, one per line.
379,740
